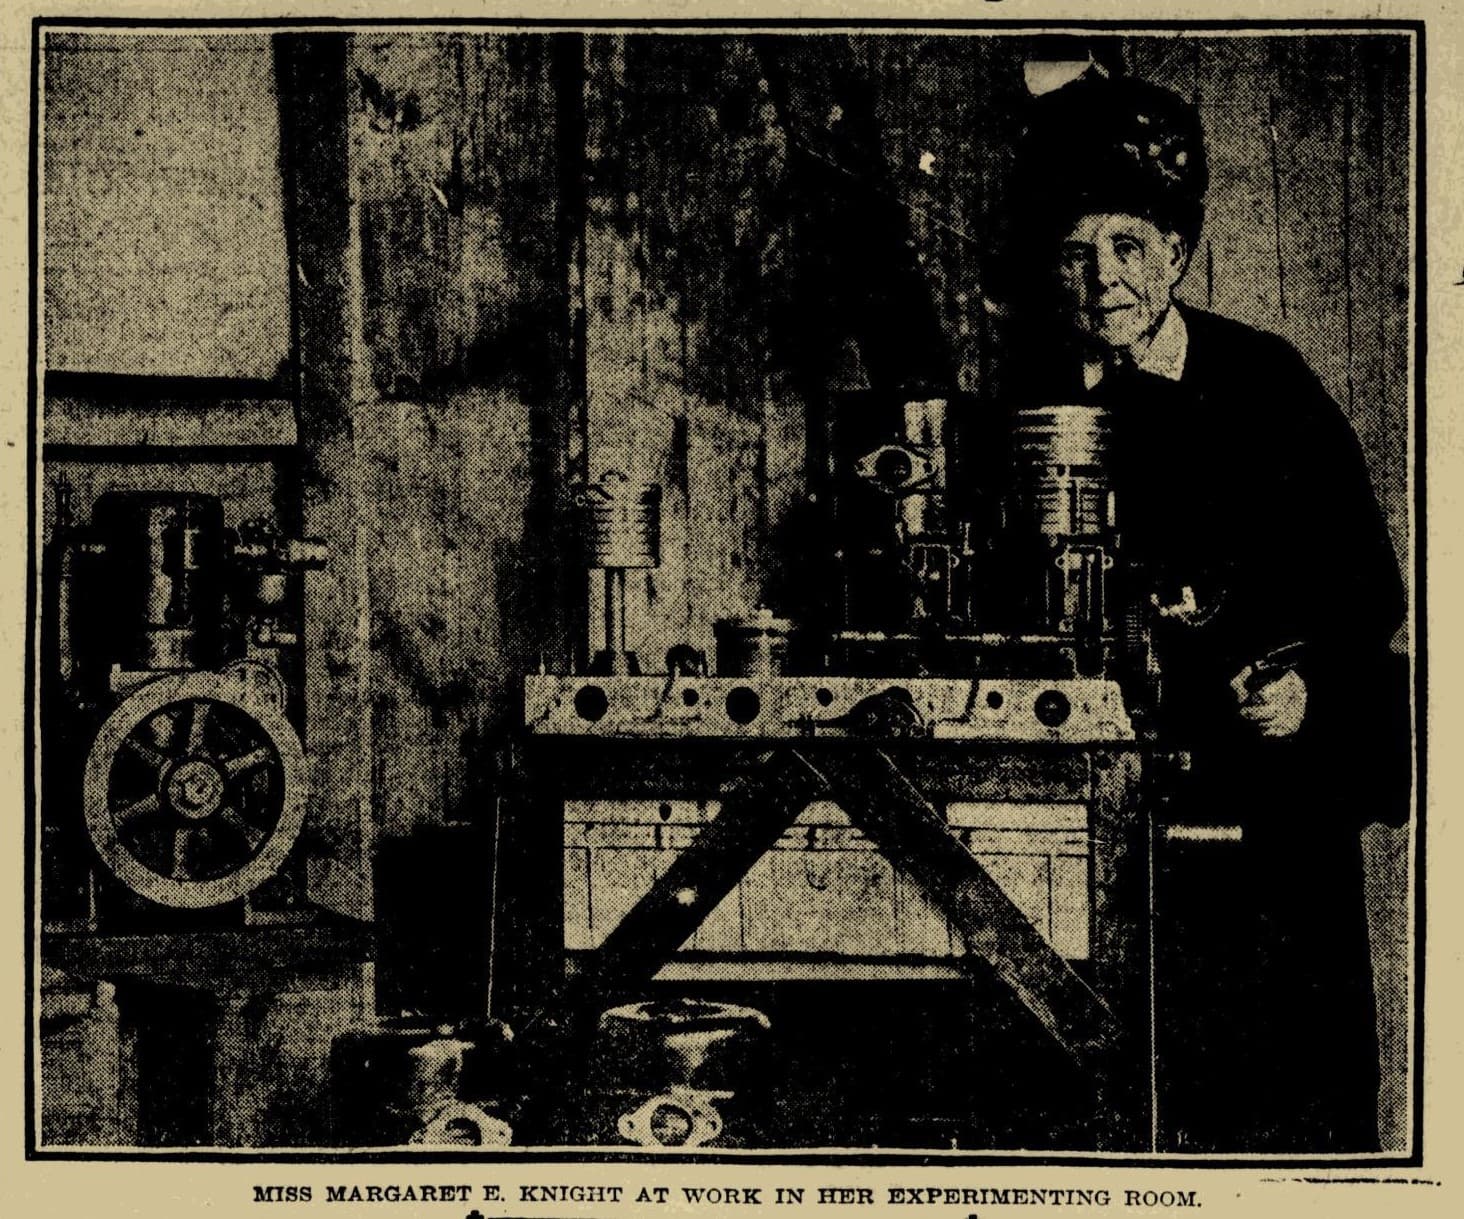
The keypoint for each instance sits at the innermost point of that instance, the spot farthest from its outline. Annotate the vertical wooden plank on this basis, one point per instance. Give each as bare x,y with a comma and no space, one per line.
783,450
325,251
943,109
614,293
401,118
688,183
1119,837
1396,255
1071,915
464,436
763,403
1381,269
1378,278
1382,266
1311,116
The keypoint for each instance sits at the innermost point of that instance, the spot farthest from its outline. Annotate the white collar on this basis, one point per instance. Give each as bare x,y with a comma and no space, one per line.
1164,356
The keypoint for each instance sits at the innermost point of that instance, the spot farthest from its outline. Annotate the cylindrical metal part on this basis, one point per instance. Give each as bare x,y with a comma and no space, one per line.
1060,511
306,553
920,515
270,589
694,1042
755,646
621,522
389,1079
1061,483
678,1073
925,422
165,555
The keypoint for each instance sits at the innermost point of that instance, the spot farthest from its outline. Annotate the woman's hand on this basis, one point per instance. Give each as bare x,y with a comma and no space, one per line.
1274,703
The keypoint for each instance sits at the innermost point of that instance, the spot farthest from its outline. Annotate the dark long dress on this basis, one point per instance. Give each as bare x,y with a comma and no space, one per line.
1244,481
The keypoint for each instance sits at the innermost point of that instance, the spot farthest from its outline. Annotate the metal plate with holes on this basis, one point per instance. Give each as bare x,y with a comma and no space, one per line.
1069,711
194,790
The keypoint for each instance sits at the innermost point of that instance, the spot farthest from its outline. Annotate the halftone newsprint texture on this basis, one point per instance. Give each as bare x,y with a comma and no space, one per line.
818,609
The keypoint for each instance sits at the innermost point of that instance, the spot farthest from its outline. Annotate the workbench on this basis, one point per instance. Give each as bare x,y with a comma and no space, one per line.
683,842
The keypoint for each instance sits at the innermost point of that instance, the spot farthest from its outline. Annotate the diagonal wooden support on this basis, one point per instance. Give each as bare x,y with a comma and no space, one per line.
912,835
755,812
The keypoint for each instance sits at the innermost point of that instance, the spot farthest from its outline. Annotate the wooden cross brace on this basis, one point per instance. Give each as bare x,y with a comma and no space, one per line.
911,833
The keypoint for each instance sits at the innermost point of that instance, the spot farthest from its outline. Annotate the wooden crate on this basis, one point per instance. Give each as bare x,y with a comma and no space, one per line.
823,889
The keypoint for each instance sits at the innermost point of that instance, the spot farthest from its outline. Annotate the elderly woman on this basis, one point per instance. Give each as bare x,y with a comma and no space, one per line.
1244,501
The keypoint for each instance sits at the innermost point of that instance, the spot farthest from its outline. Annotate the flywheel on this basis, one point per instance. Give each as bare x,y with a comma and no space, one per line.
194,789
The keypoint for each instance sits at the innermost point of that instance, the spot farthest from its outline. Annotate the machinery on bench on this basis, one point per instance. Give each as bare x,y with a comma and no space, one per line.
938,772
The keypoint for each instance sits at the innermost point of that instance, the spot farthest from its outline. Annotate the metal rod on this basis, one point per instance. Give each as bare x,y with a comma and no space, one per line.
615,611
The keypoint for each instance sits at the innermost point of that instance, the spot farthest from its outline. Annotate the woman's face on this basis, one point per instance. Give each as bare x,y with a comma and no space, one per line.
1117,274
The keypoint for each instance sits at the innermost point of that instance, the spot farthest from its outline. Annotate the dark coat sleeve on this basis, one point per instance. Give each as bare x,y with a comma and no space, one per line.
1331,555
1323,573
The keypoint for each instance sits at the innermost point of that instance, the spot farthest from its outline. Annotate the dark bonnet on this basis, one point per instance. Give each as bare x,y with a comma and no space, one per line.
1106,144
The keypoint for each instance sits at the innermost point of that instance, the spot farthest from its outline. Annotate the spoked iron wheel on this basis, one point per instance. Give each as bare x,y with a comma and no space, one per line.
193,794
